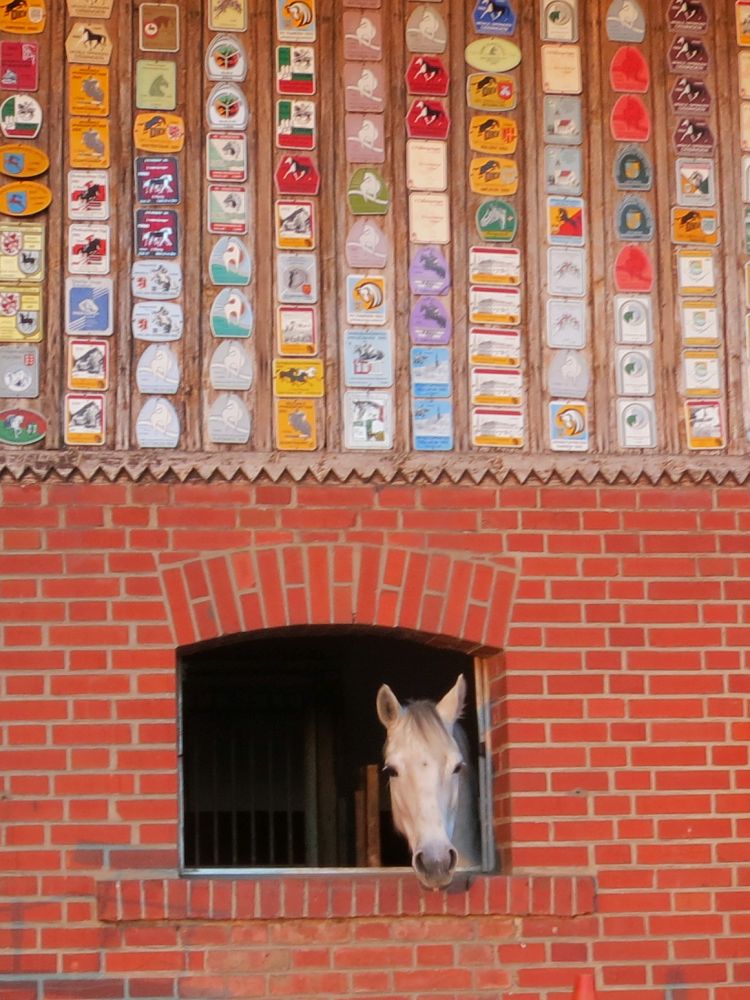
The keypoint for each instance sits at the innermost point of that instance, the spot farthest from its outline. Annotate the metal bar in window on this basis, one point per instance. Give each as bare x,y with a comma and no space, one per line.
311,790
270,749
233,785
215,796
251,801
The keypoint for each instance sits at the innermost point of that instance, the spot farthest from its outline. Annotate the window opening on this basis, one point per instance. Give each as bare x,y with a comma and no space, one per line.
281,748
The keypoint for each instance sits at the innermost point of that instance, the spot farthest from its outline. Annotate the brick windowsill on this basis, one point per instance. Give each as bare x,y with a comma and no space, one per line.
319,897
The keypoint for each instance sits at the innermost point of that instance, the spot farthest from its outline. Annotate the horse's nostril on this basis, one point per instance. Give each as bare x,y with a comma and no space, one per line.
419,862
453,859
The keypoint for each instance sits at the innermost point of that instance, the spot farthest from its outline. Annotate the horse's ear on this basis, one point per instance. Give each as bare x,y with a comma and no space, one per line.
389,708
451,705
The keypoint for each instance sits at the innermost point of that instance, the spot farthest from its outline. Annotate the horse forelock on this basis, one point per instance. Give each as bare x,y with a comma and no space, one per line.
421,719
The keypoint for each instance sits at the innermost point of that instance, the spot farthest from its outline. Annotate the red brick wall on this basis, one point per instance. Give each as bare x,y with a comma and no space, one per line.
622,725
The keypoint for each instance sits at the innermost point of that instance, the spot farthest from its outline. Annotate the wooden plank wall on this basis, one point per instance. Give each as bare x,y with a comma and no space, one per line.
195,394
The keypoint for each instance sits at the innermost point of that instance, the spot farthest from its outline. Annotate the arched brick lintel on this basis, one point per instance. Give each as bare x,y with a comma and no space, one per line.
464,601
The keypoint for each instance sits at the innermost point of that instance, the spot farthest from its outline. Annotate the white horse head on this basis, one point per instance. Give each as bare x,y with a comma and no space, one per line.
425,759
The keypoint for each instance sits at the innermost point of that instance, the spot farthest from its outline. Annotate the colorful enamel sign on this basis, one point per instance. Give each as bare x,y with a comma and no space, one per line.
224,16
227,209
493,134
430,321
568,426
496,221
302,379
429,271
20,426
24,198
366,300
226,59
230,262
295,70
625,21
494,266
89,142
430,370
88,90
633,319
427,75
19,65
494,17
156,84
158,371
157,180
365,138
695,182
231,314
368,419
493,175
687,16
491,92
297,278
226,156
20,117
21,160
368,358
88,248
690,95
156,279
89,42
568,374
156,233
295,21
296,425
159,132
226,107
426,31
296,174
630,120
88,307
368,193
19,371
363,36
366,245
687,55
229,420
561,69
562,120
633,170
297,331
231,366
634,220
426,165
693,136
159,27
559,20
427,119
21,314
634,271
695,225
90,8
364,87
429,217
295,225
432,424
636,423
157,424
21,251
566,271
704,421
563,169
88,194
493,55
88,365
157,321
628,71
295,124
23,17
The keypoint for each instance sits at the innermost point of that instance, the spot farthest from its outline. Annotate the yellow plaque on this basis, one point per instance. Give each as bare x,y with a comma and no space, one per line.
23,17
24,198
20,314
88,90
695,225
89,142
17,159
296,425
493,134
298,378
159,132
493,175
90,8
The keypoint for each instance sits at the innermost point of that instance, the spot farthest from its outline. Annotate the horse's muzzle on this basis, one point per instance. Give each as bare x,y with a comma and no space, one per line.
435,868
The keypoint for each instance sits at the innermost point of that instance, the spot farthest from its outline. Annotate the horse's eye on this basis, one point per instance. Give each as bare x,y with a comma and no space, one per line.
390,772
459,767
